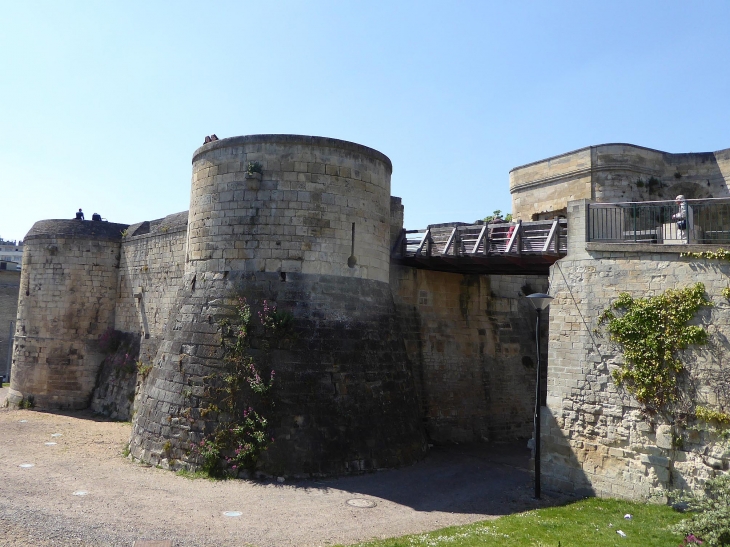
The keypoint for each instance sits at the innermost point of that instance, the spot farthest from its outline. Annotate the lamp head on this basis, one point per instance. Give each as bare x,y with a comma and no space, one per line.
539,300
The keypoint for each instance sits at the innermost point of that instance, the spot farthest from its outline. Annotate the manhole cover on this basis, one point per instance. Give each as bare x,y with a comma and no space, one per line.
50,444
232,513
26,465
361,502
80,493
56,434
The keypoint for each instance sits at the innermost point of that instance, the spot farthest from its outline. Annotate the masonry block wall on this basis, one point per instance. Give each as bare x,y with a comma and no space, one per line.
296,217
312,234
614,173
149,277
376,359
595,438
9,287
67,293
150,274
471,339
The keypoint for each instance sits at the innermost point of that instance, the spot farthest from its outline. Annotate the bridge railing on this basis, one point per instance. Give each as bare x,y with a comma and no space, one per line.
702,221
475,240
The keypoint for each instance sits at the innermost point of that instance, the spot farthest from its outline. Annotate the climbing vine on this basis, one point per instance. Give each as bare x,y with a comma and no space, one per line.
708,415
652,332
241,433
720,254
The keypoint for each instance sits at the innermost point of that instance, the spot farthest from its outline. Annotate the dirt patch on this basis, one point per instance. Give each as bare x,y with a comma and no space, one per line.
127,501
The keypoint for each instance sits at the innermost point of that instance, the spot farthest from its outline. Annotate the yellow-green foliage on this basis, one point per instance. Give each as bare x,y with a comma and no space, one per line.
708,415
720,254
652,331
143,369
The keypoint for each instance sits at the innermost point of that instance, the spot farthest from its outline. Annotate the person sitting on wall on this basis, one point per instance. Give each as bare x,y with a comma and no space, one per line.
96,216
80,215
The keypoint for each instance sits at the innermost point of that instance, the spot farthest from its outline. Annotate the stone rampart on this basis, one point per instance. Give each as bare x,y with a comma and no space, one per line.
300,215
345,394
68,289
596,439
150,274
615,173
373,355
471,339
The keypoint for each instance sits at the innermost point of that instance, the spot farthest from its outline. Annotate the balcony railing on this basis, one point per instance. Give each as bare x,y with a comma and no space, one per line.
702,221
547,237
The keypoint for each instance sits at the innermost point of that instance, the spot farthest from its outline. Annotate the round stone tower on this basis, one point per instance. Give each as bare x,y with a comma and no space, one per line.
67,295
303,222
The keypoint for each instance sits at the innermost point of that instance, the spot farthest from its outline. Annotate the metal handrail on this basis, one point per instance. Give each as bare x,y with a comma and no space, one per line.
697,221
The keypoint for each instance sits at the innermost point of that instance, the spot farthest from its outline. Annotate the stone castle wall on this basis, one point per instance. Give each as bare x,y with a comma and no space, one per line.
615,173
471,339
296,217
9,287
150,274
68,289
346,399
377,358
595,437
152,259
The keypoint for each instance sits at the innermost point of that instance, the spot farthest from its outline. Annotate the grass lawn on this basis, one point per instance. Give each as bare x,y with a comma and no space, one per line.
587,523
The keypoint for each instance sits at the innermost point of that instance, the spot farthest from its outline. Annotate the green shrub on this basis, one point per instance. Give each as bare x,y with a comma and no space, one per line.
255,167
710,521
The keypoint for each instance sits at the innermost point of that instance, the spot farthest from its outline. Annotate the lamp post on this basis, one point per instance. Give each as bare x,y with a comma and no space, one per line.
540,302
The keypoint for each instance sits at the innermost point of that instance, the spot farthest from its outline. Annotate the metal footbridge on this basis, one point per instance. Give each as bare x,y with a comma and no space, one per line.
516,248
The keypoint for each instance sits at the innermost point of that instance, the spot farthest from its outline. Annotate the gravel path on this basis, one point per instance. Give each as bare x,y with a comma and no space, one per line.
127,501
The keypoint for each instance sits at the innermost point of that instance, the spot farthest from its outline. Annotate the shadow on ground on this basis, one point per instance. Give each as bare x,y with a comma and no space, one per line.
490,479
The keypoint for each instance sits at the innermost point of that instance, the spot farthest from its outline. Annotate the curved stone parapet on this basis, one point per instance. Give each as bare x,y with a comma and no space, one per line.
316,203
67,294
616,172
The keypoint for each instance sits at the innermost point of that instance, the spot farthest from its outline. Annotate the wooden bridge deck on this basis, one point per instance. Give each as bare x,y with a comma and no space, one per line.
505,248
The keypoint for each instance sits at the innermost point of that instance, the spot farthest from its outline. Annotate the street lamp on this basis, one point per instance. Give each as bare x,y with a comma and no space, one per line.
540,302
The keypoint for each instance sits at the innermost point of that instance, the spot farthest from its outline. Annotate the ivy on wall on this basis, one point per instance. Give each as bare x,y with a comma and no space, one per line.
719,254
653,331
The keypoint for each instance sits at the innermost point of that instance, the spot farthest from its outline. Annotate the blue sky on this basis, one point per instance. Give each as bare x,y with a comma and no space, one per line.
102,104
